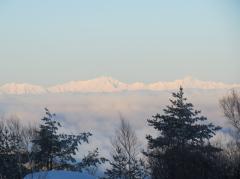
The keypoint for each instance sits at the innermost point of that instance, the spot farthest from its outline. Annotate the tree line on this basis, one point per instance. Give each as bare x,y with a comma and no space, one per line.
181,148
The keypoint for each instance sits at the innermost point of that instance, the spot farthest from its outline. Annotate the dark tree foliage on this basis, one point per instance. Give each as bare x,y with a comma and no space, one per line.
25,150
53,150
12,153
6,157
91,161
181,150
118,166
125,162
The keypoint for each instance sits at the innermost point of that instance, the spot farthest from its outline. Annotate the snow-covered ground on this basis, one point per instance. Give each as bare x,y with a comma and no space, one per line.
59,175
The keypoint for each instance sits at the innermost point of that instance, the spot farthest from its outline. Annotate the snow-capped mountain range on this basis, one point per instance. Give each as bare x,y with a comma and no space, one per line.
108,84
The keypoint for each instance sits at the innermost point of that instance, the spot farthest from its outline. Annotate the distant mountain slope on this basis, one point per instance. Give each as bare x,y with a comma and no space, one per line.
23,88
108,84
101,84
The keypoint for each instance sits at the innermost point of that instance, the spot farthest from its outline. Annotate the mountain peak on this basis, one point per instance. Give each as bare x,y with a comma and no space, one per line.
109,84
105,78
100,84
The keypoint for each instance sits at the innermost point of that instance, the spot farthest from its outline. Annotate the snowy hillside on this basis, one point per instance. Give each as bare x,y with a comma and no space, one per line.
108,84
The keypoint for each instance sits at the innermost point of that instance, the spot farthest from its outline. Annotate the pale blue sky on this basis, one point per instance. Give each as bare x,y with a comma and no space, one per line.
54,41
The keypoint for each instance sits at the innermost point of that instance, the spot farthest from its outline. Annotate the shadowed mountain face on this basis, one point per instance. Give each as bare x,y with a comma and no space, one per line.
108,84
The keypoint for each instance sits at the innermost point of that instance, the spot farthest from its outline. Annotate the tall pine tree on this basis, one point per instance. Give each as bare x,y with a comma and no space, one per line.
181,150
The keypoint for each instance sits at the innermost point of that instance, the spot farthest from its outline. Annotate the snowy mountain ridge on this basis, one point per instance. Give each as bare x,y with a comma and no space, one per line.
109,84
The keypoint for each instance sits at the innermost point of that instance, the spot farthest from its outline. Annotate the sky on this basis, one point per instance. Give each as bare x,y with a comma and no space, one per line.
48,42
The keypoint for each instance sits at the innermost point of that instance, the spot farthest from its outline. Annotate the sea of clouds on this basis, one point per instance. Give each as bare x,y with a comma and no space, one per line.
99,113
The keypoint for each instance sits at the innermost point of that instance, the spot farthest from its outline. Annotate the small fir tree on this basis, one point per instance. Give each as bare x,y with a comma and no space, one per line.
125,162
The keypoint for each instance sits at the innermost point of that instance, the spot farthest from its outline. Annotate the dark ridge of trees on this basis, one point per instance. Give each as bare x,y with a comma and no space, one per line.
25,150
14,144
182,149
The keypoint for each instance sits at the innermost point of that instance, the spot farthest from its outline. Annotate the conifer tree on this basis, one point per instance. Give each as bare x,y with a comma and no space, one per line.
125,162
118,166
54,150
181,150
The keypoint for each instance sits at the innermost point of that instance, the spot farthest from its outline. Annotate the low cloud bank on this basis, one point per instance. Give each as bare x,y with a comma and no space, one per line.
99,113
